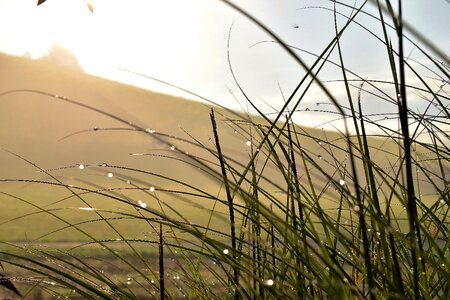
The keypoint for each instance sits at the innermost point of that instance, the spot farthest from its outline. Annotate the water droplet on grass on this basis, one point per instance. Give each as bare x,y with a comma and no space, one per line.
95,128
320,157
248,143
110,175
226,251
356,208
143,205
81,167
149,130
172,148
270,282
86,208
152,189
342,182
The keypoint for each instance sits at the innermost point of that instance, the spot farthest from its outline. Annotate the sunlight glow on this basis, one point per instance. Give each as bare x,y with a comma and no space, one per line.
99,32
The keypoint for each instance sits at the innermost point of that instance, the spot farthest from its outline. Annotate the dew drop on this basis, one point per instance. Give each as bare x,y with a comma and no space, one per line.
248,143
342,182
151,189
81,167
356,208
270,282
86,208
226,251
442,201
172,148
128,181
235,131
110,175
149,130
320,157
143,205
95,128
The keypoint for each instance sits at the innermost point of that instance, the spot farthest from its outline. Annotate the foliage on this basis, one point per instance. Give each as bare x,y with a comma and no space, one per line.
344,221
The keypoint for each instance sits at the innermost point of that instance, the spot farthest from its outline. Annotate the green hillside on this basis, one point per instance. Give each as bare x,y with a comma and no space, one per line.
58,136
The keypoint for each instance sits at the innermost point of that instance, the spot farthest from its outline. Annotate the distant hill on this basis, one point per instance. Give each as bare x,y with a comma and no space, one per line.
32,124
57,135
61,56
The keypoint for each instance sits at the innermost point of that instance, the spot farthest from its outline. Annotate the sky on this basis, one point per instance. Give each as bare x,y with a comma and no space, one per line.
185,42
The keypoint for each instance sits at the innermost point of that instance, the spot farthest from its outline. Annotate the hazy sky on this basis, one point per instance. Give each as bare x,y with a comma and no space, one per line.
185,41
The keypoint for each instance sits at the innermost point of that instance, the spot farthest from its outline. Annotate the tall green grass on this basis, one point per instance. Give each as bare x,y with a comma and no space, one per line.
309,214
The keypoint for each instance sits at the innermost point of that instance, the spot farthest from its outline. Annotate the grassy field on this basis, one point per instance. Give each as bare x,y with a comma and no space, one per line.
154,158
112,192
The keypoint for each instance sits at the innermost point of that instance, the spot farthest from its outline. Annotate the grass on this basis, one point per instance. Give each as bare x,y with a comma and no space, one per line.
301,214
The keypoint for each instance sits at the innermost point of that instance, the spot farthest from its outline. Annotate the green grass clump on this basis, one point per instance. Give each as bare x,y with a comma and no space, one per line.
304,213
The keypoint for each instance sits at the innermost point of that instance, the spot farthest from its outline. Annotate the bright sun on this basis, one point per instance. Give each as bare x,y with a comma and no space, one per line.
116,33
